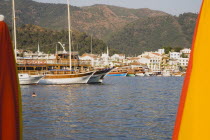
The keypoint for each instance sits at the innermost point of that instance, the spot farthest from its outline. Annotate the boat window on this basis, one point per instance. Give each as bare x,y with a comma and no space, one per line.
29,68
21,68
39,68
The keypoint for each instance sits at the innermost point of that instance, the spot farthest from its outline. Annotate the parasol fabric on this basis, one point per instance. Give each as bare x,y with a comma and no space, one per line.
193,117
10,100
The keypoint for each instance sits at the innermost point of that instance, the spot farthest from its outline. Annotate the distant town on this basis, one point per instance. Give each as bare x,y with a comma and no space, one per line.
157,62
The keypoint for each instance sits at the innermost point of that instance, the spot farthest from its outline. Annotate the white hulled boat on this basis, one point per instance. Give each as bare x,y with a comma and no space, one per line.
26,79
140,74
58,77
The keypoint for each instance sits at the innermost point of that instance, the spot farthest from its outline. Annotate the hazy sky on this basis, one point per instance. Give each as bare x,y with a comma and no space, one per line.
170,6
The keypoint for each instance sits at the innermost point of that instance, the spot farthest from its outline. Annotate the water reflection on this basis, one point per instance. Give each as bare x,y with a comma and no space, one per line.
121,108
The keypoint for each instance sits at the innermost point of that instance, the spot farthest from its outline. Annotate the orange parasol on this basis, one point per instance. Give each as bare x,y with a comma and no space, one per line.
10,100
193,117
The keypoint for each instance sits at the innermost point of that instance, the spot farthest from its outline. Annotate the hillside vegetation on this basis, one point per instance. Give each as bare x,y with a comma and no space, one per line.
29,36
99,20
152,33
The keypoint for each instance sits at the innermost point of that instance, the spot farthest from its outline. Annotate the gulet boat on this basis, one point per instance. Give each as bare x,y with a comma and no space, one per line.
58,77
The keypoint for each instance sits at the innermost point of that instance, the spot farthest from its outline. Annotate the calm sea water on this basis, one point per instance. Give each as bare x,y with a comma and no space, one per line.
122,108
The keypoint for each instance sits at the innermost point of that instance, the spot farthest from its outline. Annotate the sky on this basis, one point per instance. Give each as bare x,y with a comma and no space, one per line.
174,7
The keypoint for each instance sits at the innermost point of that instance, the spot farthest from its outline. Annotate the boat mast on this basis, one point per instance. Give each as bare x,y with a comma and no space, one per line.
91,45
14,29
56,49
69,30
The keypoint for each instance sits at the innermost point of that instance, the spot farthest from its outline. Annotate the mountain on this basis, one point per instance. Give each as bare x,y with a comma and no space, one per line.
103,20
129,31
152,33
187,22
99,20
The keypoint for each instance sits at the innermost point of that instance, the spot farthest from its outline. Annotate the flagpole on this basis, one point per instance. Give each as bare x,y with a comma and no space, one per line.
69,30
14,28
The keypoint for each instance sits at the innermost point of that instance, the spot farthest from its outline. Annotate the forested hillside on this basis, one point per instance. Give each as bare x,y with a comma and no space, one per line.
153,33
187,21
99,20
28,37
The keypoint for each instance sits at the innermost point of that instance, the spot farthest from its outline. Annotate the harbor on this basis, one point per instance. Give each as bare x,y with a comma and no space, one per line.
55,69
136,108
102,71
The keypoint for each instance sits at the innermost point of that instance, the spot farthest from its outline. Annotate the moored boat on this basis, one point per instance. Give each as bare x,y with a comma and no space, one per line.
118,72
177,74
59,77
149,74
166,74
26,79
98,76
130,73
67,75
140,74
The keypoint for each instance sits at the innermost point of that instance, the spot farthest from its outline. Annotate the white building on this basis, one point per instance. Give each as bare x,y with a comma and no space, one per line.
118,57
105,60
152,60
183,61
161,51
38,55
186,52
174,55
132,60
174,64
150,54
155,63
87,56
144,60
93,58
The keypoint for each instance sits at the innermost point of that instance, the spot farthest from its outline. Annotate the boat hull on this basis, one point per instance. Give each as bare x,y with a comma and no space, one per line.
65,79
130,75
140,74
29,80
166,75
117,74
96,79
98,76
178,75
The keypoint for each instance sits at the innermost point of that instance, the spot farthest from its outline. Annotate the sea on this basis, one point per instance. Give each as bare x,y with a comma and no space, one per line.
121,108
